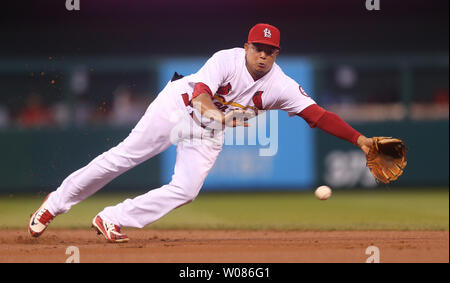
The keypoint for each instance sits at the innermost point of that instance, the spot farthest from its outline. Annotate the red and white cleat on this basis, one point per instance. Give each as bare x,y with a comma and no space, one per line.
40,220
109,230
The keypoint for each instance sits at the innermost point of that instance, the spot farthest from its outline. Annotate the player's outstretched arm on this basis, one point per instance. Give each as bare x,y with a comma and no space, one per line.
331,123
385,156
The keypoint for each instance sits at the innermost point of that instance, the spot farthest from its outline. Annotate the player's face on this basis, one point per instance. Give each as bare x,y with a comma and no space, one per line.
260,58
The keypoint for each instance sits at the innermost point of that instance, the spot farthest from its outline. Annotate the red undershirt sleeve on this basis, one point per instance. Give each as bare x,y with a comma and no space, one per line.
200,88
329,122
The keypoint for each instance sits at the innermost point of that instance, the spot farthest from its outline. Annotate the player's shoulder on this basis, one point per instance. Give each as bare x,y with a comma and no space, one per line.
230,53
229,60
279,72
280,79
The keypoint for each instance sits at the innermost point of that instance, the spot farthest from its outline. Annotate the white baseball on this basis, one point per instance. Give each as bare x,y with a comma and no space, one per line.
323,192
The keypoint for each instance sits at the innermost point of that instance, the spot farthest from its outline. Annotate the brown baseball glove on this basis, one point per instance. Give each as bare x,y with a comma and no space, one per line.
386,159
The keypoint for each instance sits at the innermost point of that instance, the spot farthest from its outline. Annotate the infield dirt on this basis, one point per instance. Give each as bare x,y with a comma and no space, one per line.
235,246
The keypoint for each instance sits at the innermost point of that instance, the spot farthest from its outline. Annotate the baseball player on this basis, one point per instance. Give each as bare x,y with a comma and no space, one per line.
232,86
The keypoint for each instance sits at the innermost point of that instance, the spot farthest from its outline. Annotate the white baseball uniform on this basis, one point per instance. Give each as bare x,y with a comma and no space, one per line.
233,87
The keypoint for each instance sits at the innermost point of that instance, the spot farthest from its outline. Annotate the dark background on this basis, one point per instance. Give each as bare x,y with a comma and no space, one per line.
170,27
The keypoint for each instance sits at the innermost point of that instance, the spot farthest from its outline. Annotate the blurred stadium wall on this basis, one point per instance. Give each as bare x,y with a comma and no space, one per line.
73,84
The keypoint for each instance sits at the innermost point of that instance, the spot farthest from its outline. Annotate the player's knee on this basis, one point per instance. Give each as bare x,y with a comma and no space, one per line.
190,195
188,192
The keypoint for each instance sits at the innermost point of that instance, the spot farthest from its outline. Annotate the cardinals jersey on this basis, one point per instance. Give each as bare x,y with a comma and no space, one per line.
233,87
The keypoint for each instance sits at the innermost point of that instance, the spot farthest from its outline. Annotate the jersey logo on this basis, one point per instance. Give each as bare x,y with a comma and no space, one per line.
224,90
267,33
302,91
257,99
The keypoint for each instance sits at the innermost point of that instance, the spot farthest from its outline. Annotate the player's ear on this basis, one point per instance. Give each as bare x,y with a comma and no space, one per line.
277,52
246,46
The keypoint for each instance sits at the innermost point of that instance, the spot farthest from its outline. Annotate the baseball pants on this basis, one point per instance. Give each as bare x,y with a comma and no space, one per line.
153,134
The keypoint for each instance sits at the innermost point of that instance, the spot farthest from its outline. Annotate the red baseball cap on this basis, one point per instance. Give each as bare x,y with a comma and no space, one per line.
265,34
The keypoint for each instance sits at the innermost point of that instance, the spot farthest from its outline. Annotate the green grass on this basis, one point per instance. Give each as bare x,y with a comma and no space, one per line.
379,209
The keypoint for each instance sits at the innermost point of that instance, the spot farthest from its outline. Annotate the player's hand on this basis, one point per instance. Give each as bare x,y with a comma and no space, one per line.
238,118
365,143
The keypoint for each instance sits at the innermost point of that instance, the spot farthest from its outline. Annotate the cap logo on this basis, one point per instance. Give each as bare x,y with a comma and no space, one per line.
267,33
